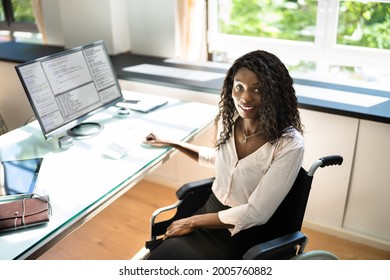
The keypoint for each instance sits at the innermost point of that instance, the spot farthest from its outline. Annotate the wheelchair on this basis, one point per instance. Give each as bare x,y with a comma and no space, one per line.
288,241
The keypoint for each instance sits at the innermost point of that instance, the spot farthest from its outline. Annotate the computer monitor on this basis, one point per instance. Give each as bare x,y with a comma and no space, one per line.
65,89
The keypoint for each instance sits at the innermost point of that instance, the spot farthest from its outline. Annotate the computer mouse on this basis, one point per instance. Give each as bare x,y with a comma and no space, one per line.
123,111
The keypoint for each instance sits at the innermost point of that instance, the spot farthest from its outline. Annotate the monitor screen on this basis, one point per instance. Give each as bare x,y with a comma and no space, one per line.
65,89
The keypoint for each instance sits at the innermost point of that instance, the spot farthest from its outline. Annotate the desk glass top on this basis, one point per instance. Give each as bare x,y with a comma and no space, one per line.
81,179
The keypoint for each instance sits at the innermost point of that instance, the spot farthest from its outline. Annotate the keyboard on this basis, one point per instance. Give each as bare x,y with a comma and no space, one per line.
115,151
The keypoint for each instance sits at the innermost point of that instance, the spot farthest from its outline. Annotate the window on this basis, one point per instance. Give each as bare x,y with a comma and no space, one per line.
364,24
343,38
17,22
289,20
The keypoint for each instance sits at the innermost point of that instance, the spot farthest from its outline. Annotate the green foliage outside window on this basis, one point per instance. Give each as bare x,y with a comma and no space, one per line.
17,22
365,24
2,17
361,23
282,19
23,11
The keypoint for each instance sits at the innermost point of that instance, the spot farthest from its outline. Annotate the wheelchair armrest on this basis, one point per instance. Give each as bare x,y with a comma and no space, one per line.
276,246
193,186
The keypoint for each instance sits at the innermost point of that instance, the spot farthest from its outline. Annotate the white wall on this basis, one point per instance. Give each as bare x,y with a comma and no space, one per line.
152,27
52,21
148,25
87,21
144,27
14,106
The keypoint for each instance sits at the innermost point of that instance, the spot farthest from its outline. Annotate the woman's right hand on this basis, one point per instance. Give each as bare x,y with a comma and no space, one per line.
153,140
188,149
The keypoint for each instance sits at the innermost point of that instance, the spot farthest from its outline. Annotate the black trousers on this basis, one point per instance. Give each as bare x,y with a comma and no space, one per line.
208,244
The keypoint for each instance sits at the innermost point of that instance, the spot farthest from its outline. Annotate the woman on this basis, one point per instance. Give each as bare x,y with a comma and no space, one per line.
258,153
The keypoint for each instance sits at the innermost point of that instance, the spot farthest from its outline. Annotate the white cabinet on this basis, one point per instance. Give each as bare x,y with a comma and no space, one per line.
328,134
368,204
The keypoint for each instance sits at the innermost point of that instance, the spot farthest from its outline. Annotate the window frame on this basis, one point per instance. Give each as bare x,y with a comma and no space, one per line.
10,25
324,51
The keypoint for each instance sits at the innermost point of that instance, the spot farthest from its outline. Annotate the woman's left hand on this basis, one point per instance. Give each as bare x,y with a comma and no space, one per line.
188,225
179,227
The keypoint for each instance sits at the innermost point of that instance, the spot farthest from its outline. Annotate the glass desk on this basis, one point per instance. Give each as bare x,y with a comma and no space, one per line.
81,181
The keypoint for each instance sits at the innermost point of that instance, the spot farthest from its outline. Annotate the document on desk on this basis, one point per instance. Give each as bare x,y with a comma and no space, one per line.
144,104
132,134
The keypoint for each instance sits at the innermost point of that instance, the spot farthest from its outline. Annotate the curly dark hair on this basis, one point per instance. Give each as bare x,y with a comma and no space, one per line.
278,112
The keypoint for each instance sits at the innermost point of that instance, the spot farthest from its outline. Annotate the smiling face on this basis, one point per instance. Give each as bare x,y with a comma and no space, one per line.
246,94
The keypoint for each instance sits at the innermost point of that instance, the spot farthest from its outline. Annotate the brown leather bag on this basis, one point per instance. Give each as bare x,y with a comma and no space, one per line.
24,213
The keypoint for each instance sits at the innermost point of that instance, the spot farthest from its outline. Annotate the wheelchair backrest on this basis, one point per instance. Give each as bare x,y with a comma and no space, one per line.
289,215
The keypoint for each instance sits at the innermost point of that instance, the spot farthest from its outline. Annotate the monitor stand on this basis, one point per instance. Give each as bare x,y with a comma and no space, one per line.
85,130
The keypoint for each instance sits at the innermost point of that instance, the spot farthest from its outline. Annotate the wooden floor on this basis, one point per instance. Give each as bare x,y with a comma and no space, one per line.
120,230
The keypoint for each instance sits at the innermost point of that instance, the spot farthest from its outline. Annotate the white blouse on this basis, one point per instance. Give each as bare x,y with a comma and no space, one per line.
253,186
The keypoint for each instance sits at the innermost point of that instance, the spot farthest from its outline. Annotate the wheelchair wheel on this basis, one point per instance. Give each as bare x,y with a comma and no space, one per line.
316,255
